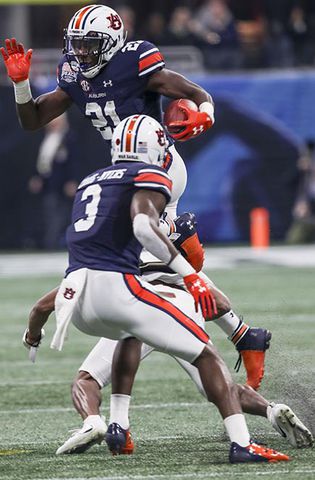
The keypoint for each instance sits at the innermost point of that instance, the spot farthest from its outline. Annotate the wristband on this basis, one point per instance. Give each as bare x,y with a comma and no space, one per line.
208,108
22,92
181,266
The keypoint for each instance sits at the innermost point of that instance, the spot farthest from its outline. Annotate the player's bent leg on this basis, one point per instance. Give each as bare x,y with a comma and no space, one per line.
218,385
224,394
86,395
92,432
135,307
126,361
98,363
176,169
251,343
94,374
252,349
127,356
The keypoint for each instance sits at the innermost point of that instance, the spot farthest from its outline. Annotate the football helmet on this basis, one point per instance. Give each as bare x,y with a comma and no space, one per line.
139,138
94,34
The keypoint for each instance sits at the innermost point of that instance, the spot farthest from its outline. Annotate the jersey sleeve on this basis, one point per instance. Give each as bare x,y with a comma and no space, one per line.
154,178
150,59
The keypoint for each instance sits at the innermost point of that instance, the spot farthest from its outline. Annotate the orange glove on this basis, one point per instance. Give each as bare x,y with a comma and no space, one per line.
16,61
202,295
193,126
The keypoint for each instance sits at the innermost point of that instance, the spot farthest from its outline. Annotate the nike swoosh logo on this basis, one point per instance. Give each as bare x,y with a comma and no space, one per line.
282,432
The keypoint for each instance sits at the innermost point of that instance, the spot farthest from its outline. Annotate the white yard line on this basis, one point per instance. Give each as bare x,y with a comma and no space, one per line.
25,383
45,264
140,407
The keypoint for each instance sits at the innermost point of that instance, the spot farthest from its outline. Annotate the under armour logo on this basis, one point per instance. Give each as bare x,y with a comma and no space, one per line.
200,287
69,293
115,22
190,225
108,83
197,130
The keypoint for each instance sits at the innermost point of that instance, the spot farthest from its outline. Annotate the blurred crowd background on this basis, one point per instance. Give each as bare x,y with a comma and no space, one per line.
257,59
230,34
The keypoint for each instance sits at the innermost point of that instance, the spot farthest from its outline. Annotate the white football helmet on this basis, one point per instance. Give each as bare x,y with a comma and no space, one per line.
139,138
94,34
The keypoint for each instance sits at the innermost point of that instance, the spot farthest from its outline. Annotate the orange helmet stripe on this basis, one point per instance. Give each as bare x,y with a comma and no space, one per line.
81,15
130,132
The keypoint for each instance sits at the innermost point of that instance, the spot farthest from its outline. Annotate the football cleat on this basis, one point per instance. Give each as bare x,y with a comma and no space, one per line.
255,453
285,422
185,238
84,438
119,440
252,347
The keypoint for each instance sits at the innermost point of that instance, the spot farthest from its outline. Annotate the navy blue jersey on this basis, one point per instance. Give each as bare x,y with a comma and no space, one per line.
119,90
101,235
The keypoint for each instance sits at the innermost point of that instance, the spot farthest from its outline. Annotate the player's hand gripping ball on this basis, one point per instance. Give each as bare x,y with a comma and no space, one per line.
184,121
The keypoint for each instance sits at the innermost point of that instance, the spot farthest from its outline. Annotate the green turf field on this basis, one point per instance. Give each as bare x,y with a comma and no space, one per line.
178,435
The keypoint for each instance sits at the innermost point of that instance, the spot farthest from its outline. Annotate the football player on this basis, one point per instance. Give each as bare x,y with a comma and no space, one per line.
116,213
95,371
110,79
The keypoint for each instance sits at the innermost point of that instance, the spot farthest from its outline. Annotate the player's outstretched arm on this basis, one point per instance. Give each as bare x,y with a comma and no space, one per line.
32,114
145,209
39,314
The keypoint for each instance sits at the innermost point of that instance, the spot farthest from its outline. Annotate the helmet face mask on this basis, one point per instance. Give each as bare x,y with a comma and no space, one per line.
95,33
89,50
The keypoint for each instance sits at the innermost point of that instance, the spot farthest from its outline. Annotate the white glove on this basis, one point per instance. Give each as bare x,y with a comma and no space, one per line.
34,346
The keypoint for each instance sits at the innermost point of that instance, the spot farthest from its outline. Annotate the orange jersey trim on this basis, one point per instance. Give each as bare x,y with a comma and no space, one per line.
154,300
154,178
150,60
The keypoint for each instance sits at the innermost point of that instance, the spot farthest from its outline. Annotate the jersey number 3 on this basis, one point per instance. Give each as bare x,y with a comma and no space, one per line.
99,119
91,207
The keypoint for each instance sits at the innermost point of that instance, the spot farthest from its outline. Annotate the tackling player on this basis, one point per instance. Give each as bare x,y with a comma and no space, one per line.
109,79
95,371
115,214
